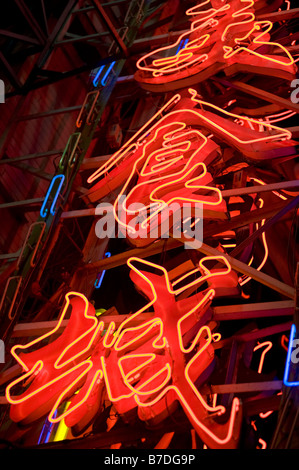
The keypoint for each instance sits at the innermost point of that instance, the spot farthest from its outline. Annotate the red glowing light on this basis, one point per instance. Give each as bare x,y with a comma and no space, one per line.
141,376
227,35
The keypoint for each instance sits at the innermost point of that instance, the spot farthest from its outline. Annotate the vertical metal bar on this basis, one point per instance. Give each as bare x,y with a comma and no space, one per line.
34,249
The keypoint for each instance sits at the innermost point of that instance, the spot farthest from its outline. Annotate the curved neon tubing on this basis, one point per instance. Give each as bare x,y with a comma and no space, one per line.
286,381
129,145
191,54
244,280
101,373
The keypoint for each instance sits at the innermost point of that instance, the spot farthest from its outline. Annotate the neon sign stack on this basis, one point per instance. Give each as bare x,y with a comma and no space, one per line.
162,362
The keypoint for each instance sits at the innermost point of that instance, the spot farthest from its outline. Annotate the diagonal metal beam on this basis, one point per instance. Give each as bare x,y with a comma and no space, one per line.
111,27
50,113
90,38
34,171
247,387
260,189
33,23
255,310
121,259
280,15
243,268
45,16
10,73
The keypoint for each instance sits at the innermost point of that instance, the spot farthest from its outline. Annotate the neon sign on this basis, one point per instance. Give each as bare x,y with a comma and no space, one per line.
145,362
105,77
262,443
139,366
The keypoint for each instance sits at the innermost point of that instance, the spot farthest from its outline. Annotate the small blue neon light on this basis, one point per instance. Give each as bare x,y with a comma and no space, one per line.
44,210
182,45
288,361
100,277
99,73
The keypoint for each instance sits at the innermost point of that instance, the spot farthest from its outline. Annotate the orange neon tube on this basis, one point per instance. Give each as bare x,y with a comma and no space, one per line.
180,176
129,145
238,15
268,345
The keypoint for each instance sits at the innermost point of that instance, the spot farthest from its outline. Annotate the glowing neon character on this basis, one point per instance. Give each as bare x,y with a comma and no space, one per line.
182,385
150,358
224,36
178,114
292,361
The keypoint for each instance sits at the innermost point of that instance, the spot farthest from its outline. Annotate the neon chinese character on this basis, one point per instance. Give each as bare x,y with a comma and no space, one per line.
138,366
228,36
167,162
